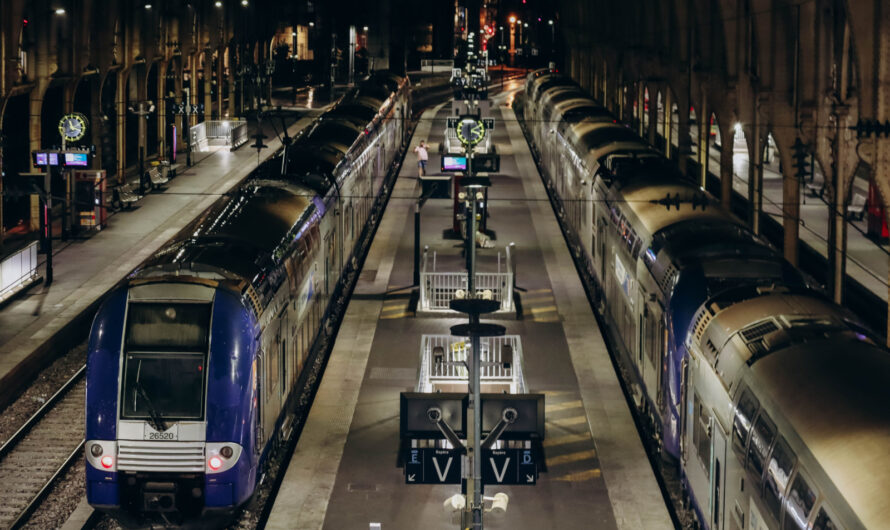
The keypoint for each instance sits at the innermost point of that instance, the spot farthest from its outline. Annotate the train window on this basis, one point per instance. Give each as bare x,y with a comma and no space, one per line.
741,424
272,356
824,521
777,472
701,435
798,504
762,437
164,327
282,359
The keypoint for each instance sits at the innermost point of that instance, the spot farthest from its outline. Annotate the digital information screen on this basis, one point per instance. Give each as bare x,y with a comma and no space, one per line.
454,163
45,158
77,159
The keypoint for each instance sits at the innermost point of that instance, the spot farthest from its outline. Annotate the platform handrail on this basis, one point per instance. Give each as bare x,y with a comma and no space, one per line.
230,133
18,270
437,289
442,358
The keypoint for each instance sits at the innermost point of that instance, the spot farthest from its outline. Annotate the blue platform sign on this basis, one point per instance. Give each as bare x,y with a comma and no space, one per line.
432,466
513,467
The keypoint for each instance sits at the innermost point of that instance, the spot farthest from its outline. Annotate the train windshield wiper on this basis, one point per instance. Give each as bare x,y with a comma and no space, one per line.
156,419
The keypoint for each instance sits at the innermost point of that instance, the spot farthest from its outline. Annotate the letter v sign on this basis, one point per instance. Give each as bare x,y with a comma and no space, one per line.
499,476
442,474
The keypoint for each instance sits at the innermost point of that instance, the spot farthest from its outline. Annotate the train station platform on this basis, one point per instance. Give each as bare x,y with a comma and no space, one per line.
344,474
868,261
33,323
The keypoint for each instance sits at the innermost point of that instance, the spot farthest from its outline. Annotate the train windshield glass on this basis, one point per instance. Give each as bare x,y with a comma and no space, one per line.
164,362
163,387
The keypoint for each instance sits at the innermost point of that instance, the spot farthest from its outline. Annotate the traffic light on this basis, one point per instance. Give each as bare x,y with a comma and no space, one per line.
800,159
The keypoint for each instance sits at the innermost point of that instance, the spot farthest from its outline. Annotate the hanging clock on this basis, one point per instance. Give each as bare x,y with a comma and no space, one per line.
470,131
73,126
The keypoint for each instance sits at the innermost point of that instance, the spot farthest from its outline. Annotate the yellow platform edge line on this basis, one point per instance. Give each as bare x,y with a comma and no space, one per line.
580,476
571,457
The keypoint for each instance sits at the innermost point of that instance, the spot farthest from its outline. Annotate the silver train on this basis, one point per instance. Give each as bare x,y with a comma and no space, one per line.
773,401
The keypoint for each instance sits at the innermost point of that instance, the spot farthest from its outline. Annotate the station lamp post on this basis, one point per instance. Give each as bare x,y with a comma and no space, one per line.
142,110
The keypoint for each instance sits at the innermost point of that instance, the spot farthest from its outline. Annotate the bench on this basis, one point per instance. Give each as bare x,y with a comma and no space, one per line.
124,196
156,178
815,186
857,207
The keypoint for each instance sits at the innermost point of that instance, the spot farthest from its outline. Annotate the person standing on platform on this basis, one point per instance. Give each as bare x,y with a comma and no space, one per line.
422,157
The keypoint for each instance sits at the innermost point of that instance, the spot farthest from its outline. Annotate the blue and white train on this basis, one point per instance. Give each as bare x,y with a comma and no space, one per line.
192,360
772,400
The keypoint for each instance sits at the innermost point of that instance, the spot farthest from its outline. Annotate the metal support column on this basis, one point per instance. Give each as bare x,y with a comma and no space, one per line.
755,176
726,173
668,120
790,208
417,244
704,141
652,133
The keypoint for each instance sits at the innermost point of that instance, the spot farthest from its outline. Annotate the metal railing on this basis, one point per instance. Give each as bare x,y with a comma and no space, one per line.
18,270
437,289
227,133
443,358
436,65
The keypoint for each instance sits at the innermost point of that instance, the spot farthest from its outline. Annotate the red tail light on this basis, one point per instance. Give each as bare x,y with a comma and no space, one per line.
214,463
107,461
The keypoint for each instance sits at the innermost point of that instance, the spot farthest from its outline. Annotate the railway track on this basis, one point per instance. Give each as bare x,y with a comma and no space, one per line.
40,451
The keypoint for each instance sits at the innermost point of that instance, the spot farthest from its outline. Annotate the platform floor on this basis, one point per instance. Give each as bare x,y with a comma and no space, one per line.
343,473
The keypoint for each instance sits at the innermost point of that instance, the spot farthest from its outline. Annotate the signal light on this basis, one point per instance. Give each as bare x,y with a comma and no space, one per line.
107,461
214,463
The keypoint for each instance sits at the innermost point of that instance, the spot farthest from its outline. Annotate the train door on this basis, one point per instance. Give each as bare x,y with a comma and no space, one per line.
717,475
698,442
331,261
652,348
601,248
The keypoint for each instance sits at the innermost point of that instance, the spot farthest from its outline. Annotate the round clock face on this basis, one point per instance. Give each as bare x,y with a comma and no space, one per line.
470,131
73,127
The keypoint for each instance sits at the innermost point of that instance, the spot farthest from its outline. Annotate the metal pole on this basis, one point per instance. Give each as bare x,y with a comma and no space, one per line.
474,482
48,205
141,170
417,243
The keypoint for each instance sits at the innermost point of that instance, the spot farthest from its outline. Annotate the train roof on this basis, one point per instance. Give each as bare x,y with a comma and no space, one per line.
660,202
835,395
227,238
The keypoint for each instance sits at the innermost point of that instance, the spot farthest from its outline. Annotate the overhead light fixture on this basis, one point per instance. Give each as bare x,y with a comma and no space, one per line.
217,3
312,24
147,6
244,3
512,19
60,11
365,28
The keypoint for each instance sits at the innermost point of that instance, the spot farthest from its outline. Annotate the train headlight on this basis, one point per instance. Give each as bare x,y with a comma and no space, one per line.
101,454
221,456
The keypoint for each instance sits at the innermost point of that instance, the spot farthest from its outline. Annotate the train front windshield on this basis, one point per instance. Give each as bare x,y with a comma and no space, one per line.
165,356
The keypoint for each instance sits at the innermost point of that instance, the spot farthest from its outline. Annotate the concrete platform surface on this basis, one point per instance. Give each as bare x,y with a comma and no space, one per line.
344,474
